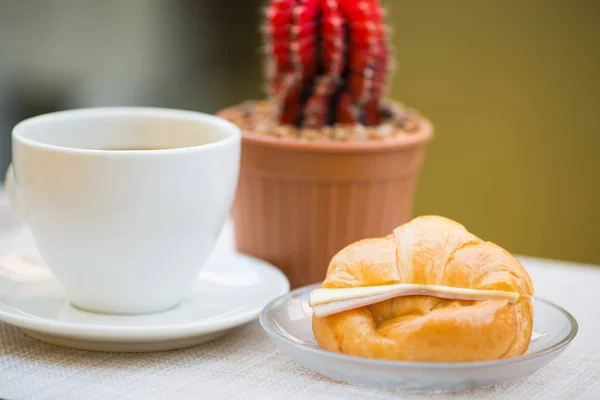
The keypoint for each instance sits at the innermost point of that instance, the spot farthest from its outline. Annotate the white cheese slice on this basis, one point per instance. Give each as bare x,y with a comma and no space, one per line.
332,301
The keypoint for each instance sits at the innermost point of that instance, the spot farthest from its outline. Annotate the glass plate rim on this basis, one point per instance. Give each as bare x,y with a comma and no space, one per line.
266,325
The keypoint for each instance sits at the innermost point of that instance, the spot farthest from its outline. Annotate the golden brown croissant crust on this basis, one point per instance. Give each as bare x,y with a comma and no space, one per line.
437,251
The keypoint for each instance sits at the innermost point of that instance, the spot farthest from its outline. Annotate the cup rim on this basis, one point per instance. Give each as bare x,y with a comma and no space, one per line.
221,123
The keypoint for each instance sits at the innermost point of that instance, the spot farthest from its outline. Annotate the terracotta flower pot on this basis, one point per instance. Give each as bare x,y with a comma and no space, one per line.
298,203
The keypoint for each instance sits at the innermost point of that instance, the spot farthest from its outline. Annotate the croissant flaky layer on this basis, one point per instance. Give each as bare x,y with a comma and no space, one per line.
437,251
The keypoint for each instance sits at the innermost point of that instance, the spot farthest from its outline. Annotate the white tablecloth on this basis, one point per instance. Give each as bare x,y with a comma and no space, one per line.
244,364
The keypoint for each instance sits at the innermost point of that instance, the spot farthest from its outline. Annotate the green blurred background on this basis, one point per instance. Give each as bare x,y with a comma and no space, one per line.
512,87
514,91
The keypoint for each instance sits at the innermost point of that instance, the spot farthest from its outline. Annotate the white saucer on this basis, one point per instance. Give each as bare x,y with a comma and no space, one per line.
228,292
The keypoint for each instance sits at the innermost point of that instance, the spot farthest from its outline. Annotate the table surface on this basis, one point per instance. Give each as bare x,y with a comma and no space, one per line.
244,364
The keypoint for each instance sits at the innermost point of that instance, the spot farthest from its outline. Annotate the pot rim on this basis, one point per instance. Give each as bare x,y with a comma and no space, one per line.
405,142
423,136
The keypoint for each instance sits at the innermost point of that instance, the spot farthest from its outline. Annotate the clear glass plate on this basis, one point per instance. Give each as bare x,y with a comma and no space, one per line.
287,321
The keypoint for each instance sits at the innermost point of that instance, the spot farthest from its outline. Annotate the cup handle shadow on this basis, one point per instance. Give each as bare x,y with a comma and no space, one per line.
13,192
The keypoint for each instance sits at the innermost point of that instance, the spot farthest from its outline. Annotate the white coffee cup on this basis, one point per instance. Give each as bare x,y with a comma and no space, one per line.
124,231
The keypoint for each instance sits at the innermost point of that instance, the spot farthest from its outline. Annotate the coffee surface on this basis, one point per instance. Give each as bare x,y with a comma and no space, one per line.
139,148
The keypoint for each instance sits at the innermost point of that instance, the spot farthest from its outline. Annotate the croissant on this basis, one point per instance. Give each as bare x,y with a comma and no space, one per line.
436,251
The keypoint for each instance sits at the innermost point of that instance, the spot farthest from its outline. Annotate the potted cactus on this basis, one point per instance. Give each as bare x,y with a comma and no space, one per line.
326,159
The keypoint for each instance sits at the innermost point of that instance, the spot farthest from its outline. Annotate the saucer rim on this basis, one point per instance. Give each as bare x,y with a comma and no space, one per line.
274,335
149,332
